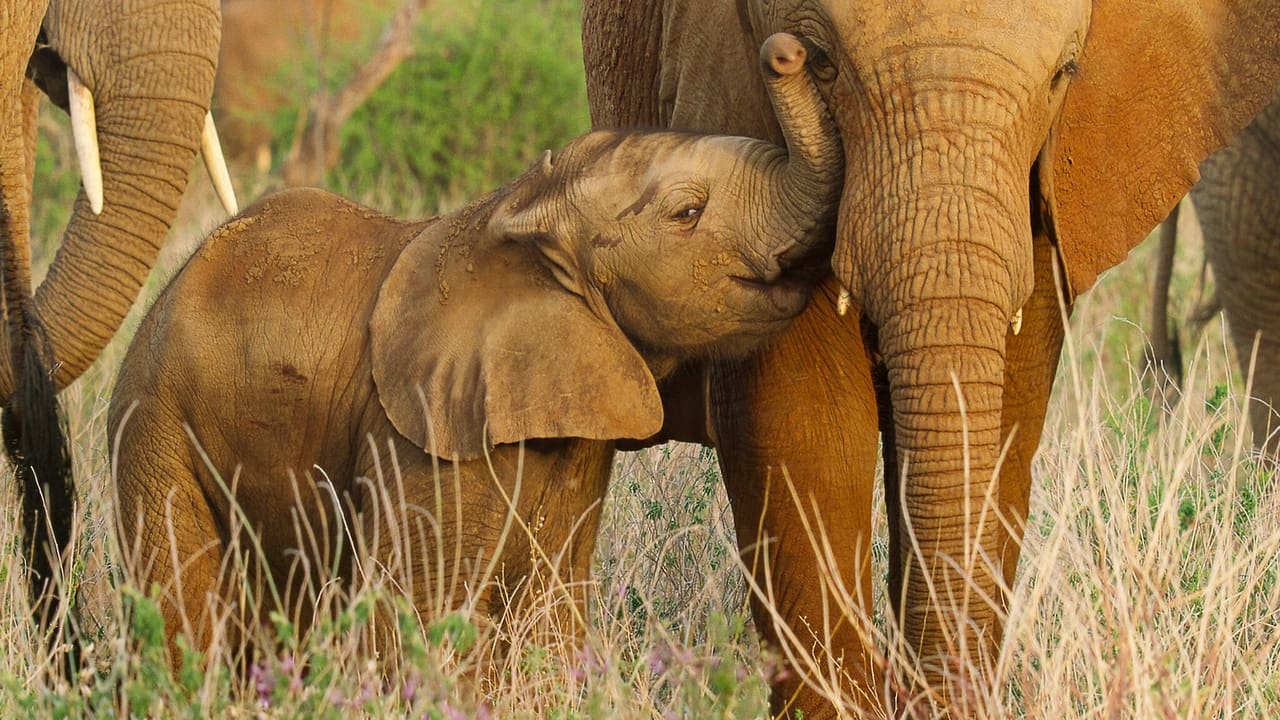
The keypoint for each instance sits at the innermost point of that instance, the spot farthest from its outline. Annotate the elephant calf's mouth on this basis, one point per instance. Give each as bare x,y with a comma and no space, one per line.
787,290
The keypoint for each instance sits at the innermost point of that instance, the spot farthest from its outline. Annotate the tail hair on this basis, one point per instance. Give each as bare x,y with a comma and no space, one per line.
36,442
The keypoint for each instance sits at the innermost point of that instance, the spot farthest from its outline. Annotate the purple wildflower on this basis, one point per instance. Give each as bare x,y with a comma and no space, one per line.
657,661
410,690
366,695
451,712
336,697
590,662
263,683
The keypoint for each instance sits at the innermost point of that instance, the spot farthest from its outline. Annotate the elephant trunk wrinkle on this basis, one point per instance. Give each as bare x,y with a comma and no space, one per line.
949,178
945,358
947,242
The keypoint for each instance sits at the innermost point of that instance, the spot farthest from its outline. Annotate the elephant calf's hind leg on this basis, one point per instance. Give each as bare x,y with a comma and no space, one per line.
161,508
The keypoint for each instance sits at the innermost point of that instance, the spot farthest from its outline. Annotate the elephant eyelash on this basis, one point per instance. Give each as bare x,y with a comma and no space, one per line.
819,61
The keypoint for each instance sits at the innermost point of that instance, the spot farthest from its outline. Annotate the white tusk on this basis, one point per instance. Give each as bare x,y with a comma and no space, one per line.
843,301
84,129
216,164
1016,323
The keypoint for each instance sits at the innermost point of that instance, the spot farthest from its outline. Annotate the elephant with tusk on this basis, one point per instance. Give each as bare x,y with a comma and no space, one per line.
136,77
1000,155
468,373
84,131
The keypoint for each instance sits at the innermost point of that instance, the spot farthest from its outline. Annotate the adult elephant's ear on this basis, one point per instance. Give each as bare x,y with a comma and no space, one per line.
1158,87
475,349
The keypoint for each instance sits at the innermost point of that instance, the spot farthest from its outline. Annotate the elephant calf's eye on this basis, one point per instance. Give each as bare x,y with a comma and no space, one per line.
688,216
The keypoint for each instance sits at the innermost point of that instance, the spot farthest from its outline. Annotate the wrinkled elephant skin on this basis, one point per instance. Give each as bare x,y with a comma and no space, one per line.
504,346
985,140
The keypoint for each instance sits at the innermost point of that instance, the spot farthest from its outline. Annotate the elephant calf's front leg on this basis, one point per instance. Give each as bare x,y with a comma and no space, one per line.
163,509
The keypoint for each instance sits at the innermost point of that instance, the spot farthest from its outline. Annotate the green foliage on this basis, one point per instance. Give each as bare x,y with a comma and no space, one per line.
472,109
1211,406
714,679
57,182
137,683
455,628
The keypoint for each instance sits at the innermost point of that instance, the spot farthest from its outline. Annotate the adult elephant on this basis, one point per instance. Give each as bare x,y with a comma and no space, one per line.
987,143
143,69
1236,204
261,73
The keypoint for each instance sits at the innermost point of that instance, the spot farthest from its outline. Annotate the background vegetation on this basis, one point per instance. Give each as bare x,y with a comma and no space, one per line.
1148,586
493,89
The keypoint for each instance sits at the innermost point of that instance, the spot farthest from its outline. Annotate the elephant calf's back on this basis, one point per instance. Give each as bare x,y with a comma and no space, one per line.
266,327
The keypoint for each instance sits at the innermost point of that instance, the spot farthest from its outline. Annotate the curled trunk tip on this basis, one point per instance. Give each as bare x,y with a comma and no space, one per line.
782,54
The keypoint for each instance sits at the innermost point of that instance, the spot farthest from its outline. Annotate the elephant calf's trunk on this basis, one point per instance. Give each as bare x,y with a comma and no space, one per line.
809,184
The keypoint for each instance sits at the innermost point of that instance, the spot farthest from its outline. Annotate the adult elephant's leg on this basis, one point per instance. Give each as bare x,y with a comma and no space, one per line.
1251,303
796,432
1030,365
684,409
1235,202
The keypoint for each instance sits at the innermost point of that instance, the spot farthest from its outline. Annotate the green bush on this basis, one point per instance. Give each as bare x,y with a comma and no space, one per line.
471,109
57,182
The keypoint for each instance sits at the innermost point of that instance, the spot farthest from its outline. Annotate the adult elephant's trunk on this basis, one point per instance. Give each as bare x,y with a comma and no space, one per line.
937,250
150,67
947,398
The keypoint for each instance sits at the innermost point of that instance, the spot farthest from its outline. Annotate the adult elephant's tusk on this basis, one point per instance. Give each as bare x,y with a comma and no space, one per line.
843,301
84,130
216,164
1016,323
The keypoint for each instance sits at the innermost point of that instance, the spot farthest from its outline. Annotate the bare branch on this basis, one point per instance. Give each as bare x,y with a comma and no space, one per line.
315,148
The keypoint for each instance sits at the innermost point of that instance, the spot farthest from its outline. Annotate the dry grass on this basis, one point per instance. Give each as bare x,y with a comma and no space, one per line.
1148,584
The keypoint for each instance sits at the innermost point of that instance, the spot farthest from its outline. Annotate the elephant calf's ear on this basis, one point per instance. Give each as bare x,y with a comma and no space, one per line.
504,355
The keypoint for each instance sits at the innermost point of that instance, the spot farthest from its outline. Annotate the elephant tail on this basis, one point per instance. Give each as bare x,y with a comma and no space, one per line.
1205,309
34,436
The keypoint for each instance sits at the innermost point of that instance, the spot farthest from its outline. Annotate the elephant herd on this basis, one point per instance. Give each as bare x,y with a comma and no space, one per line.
885,272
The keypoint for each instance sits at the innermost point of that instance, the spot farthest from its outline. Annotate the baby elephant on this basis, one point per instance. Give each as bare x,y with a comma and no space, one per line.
445,393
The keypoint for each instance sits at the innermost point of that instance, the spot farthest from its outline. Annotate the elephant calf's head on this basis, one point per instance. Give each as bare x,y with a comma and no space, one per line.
692,243
601,270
